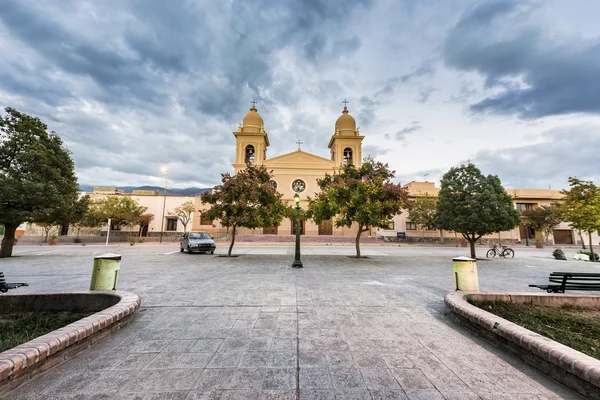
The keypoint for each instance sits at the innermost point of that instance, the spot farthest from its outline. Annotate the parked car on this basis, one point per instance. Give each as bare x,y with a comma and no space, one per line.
197,242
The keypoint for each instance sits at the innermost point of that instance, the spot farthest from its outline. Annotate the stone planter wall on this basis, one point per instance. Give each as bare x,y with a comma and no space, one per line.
566,365
20,364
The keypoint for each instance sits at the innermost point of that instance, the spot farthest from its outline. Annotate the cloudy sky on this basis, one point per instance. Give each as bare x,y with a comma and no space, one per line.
130,86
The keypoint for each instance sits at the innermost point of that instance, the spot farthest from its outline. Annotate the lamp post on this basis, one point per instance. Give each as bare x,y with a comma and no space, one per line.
162,221
297,263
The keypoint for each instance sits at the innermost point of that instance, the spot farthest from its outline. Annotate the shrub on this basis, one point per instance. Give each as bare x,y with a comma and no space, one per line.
558,252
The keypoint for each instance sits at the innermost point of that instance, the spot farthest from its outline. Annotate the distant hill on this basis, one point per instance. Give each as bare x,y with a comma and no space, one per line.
193,191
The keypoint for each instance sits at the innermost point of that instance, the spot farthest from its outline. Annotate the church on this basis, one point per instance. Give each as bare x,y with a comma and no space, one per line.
295,172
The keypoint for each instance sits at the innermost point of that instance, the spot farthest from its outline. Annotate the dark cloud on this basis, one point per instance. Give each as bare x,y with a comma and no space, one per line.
403,133
534,72
134,85
562,152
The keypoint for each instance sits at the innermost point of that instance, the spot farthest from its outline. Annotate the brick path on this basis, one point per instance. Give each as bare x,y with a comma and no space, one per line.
251,327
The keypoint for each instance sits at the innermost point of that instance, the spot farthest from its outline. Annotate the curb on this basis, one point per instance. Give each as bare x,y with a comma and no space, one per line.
570,367
20,364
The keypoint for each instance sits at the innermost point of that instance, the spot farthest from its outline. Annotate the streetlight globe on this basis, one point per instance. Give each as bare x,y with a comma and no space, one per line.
164,169
297,199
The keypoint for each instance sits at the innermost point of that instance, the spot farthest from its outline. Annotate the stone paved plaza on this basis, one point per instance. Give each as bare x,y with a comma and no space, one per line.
253,328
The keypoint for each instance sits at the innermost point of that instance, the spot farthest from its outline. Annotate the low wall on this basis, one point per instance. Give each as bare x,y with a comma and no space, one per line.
566,365
20,364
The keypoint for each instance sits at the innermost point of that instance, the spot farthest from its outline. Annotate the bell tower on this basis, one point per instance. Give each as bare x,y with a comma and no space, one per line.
251,140
346,142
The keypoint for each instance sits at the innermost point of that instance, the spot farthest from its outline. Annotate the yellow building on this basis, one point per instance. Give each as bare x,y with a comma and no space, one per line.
293,172
523,199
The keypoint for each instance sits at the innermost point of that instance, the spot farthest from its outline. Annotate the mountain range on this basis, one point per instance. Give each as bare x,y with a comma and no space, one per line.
192,191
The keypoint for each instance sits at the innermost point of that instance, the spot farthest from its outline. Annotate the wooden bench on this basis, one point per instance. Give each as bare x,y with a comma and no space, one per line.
562,281
4,287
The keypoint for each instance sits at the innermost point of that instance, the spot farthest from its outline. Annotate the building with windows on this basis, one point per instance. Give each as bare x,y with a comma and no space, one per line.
293,172
523,199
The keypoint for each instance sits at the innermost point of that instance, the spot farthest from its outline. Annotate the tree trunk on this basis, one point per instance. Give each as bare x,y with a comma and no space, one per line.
472,241
581,238
592,258
357,242
441,236
7,242
232,241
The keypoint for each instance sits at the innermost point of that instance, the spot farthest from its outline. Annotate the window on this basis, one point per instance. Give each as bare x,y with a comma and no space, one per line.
205,220
391,226
524,206
249,159
171,224
411,226
199,235
347,156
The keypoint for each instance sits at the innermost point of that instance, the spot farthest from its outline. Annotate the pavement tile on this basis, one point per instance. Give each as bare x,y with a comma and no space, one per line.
353,394
315,378
343,378
388,395
369,360
378,378
214,379
225,360
310,394
425,395
209,395
279,379
412,379
247,378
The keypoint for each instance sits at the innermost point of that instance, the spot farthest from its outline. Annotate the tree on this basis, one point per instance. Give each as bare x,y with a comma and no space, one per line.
183,213
37,174
423,211
543,219
364,196
247,200
474,205
92,218
144,221
581,207
122,210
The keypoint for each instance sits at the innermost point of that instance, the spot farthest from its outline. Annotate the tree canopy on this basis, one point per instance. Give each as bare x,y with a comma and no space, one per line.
581,207
247,200
363,196
543,219
422,212
183,213
37,174
474,205
122,210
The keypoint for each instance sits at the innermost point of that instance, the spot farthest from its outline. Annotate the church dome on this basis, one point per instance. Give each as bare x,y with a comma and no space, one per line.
345,122
253,119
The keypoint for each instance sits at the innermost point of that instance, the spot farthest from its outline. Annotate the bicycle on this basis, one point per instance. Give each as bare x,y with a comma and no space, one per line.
500,251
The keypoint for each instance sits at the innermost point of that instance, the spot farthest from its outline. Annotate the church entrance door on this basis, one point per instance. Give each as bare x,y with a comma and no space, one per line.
302,226
326,228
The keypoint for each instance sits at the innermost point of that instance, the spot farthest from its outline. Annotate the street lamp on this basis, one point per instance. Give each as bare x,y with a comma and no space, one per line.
297,263
162,221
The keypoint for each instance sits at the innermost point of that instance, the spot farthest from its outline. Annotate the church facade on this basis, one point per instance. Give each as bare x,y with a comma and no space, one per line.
295,172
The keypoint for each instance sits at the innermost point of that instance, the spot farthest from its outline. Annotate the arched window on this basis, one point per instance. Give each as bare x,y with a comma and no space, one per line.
249,159
347,156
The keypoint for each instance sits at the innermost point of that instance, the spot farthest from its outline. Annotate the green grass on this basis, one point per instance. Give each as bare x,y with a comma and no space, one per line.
18,328
576,328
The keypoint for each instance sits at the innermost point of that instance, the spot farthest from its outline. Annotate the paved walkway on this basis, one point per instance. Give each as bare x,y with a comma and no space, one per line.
251,327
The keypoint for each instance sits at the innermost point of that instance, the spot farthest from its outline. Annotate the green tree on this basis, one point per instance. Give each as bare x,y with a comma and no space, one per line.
37,174
92,218
247,200
144,221
122,211
581,207
365,196
184,213
543,219
423,211
474,205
